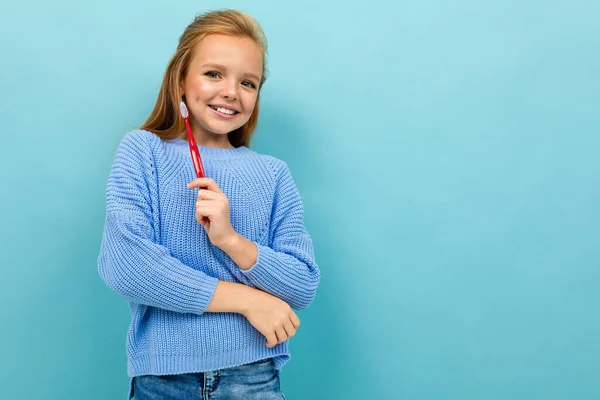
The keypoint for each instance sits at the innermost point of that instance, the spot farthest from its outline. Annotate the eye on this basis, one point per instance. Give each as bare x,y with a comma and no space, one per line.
249,84
213,74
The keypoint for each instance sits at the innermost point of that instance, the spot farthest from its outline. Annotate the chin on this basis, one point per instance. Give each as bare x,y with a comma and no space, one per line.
223,129
220,131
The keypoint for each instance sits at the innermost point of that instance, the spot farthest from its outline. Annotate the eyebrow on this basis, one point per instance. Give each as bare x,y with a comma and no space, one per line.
219,66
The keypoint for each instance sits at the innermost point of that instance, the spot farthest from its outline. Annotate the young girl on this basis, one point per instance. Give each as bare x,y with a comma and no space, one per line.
212,267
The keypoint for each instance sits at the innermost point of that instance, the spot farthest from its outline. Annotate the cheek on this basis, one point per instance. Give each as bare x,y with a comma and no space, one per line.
200,89
250,102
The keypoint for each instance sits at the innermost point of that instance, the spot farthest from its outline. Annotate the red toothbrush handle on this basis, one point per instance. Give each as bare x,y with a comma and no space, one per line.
196,159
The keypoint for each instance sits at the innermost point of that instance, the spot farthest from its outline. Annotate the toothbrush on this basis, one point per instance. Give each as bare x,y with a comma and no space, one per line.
197,160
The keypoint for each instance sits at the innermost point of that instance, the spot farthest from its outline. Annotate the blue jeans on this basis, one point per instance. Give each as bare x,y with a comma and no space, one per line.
256,381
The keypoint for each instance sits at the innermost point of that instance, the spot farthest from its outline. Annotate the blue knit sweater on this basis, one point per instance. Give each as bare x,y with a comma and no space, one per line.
156,255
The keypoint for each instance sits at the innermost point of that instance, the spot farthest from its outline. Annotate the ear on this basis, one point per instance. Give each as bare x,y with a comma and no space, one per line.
181,91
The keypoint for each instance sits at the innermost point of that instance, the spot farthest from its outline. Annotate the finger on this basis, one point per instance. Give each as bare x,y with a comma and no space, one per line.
289,329
204,194
199,182
271,340
203,209
208,183
206,208
202,218
281,335
295,320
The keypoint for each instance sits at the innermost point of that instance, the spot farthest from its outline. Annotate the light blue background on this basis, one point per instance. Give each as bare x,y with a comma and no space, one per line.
446,152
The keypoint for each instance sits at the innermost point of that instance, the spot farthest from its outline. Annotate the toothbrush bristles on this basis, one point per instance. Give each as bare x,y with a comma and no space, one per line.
183,109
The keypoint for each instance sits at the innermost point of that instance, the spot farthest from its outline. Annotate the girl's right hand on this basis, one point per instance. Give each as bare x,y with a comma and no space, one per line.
272,317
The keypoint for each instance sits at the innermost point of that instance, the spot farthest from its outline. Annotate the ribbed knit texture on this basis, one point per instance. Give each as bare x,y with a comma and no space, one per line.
156,255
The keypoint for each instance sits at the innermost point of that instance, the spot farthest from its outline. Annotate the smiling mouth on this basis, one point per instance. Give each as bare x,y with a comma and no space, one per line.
225,111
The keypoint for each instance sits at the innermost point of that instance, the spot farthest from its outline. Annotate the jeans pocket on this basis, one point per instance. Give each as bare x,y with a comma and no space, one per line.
257,380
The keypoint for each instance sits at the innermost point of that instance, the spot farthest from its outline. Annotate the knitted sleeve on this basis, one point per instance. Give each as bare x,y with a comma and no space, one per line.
131,262
287,268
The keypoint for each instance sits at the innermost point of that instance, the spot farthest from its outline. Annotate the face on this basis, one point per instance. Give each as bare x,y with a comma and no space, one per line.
221,85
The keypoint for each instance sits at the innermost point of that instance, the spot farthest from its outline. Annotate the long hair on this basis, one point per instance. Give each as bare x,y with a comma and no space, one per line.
165,120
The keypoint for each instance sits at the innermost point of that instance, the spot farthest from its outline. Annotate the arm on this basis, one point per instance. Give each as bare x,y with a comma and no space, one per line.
166,283
270,315
286,268
131,262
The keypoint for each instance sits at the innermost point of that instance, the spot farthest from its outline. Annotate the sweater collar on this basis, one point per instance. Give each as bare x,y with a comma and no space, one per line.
215,152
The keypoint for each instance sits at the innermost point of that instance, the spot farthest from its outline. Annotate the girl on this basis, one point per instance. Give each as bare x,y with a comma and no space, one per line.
212,267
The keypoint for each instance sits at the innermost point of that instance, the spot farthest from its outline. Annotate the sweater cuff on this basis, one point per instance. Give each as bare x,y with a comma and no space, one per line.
206,293
260,271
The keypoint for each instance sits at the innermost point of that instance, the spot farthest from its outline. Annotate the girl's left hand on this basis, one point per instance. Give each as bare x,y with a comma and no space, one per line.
212,210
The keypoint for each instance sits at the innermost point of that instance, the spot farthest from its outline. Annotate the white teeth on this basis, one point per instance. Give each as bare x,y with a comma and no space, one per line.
224,110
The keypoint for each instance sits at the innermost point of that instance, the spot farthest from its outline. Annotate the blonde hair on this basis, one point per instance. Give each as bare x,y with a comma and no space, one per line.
165,120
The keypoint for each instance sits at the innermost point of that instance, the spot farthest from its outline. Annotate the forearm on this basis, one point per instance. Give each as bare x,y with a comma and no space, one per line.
241,250
231,297
144,272
290,274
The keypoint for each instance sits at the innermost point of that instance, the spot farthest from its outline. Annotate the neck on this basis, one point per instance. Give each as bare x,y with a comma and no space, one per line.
214,141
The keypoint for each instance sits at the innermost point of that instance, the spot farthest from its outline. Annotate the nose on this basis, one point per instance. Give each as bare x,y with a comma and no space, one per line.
229,92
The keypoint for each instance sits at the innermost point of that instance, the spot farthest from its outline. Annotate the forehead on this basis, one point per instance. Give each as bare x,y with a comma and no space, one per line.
235,52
